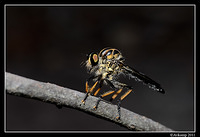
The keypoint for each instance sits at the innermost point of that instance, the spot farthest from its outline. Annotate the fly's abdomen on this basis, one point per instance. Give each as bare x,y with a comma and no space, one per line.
138,76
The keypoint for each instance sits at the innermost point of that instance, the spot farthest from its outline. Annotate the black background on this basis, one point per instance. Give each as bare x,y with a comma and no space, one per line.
49,43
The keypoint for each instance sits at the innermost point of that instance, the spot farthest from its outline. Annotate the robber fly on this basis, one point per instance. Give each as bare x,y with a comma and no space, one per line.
105,67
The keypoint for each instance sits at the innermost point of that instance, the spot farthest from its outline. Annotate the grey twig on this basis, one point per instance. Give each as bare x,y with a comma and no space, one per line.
61,96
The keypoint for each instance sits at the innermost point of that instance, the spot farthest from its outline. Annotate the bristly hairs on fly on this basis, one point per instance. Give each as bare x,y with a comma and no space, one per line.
83,63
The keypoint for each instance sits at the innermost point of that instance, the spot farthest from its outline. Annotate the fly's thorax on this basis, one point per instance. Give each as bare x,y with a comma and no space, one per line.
110,53
104,75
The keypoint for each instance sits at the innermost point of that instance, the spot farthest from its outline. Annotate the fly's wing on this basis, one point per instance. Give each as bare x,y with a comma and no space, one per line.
141,77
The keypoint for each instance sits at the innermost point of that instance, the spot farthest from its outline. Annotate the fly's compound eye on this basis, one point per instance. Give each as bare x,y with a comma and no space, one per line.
93,58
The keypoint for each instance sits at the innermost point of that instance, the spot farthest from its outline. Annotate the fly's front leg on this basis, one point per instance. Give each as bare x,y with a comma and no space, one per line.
100,86
86,95
88,89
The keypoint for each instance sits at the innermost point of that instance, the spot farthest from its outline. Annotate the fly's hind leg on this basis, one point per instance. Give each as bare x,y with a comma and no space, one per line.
118,109
120,86
130,89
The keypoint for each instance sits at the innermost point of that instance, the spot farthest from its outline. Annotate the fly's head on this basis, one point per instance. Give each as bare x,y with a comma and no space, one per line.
92,61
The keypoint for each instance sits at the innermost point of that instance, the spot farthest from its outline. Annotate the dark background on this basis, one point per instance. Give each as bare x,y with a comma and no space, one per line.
49,43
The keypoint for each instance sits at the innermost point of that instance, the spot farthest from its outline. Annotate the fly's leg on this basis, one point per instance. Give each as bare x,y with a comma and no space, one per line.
87,89
103,95
118,84
118,109
121,85
100,86
86,95
119,101
110,84
115,95
89,92
97,103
